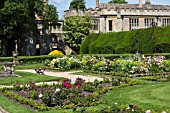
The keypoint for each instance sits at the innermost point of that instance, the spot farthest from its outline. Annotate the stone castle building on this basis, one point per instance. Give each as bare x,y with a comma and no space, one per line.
107,17
110,17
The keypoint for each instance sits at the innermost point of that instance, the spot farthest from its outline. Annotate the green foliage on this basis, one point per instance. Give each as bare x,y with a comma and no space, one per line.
60,98
77,28
77,5
50,16
160,78
29,59
165,64
84,48
18,19
115,83
66,63
35,59
89,88
50,13
33,95
140,40
20,14
118,1
56,52
16,13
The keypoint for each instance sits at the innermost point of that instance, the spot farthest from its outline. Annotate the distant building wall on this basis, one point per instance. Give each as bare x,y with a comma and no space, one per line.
125,17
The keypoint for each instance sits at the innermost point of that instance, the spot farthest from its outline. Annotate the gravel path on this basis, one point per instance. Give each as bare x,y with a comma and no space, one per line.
66,75
2,110
60,74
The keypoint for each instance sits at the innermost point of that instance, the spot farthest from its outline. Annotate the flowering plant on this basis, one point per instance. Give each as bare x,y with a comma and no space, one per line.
56,52
136,64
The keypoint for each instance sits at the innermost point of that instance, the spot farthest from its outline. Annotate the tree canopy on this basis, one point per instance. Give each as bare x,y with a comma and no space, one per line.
77,5
76,29
118,1
17,17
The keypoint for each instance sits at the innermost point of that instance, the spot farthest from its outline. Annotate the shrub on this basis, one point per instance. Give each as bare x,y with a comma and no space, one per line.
165,64
140,40
33,95
56,52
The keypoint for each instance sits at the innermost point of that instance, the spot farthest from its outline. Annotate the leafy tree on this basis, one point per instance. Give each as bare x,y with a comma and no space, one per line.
77,5
76,29
118,1
50,13
1,6
18,19
50,16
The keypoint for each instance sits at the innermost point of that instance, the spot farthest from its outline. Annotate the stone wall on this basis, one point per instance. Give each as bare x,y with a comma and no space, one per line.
121,13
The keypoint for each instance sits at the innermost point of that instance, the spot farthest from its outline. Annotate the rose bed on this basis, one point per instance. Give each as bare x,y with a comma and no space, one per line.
63,95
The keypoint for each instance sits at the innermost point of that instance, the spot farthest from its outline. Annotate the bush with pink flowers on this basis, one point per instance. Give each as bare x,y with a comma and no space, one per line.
64,94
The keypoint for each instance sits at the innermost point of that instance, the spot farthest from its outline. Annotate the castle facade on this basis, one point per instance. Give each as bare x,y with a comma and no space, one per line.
110,17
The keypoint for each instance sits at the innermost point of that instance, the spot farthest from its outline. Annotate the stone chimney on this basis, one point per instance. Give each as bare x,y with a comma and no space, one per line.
147,2
140,3
97,3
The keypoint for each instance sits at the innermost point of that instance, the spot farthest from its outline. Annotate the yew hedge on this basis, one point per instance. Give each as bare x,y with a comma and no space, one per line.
141,40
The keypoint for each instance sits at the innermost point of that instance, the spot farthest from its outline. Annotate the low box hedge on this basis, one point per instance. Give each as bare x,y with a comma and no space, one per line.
29,59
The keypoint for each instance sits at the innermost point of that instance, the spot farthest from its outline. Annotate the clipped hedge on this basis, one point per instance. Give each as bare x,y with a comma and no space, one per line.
141,40
29,59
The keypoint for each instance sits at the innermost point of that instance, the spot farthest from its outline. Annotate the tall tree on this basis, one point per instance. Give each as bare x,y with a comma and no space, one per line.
76,29
18,19
1,6
77,5
50,16
118,1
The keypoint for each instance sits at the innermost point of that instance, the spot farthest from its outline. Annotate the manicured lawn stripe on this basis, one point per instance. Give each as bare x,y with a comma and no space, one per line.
26,77
149,96
12,107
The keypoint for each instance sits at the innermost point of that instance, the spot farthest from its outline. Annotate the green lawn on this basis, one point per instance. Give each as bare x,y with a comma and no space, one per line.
26,66
154,96
13,107
150,95
30,66
26,77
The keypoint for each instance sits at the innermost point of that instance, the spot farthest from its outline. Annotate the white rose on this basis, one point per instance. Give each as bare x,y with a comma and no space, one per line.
57,90
40,95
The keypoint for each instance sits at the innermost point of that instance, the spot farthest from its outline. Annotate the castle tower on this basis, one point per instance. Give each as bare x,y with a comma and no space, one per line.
97,3
140,3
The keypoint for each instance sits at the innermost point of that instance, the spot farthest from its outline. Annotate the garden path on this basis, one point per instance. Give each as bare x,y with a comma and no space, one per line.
59,74
2,110
66,75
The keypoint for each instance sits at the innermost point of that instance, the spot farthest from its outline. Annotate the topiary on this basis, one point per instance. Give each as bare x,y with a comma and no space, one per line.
55,52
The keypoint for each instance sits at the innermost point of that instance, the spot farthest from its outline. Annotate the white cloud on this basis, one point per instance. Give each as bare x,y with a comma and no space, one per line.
58,1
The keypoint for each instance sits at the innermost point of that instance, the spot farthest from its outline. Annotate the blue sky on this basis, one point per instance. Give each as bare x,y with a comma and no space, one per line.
63,5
